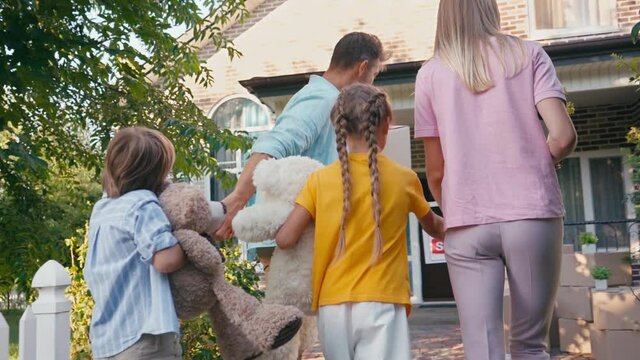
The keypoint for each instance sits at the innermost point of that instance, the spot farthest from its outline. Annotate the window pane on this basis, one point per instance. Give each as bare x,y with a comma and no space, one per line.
549,14
571,186
609,201
574,14
237,114
240,113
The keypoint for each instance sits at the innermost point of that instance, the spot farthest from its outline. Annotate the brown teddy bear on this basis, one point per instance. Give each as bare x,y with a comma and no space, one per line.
244,327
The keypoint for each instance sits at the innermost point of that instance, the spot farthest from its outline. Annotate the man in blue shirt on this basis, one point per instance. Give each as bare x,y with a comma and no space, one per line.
304,127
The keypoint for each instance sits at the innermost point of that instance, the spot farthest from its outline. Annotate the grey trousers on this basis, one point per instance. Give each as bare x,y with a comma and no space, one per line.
152,347
476,258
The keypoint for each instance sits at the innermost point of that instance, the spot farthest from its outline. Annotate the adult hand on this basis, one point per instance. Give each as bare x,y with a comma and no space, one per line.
241,194
234,204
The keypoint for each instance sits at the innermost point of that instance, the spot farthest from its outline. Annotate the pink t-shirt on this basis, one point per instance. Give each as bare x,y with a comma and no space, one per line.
497,163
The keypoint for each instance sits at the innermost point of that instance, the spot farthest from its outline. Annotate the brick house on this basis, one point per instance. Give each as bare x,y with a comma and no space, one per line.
284,41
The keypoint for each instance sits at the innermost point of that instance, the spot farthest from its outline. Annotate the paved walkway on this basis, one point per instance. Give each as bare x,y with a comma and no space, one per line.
435,334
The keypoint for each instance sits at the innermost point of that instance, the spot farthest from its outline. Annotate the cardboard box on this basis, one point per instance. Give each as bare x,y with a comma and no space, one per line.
576,268
574,302
575,336
615,344
617,309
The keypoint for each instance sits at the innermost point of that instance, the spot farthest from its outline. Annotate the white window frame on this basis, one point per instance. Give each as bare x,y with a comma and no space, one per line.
237,162
587,191
546,34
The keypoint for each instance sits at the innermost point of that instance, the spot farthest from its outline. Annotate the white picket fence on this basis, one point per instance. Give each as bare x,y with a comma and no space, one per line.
45,331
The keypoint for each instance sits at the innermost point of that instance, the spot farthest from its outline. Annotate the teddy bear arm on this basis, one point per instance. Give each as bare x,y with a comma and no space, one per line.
199,251
260,222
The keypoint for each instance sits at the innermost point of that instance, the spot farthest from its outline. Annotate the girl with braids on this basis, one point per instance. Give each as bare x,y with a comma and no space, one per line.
360,205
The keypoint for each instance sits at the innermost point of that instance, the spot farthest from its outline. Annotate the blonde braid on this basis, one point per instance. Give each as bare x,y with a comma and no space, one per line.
340,124
373,109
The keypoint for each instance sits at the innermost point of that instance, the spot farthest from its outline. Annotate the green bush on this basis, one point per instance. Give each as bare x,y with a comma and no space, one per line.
240,272
78,293
587,238
198,339
12,317
600,272
34,224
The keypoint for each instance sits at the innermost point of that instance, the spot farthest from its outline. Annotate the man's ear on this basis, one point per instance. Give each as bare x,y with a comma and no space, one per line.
363,67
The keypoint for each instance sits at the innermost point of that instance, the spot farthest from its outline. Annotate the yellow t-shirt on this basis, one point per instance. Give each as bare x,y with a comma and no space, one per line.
352,278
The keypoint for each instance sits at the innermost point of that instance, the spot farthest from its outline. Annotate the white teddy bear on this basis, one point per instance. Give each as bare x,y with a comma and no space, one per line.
278,183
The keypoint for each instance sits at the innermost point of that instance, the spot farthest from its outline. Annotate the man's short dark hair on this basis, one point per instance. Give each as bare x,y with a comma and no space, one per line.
355,47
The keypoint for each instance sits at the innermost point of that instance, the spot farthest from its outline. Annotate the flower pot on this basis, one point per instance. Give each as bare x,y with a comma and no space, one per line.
588,248
601,284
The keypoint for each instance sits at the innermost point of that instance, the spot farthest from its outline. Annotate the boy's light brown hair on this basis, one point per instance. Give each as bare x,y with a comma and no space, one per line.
137,158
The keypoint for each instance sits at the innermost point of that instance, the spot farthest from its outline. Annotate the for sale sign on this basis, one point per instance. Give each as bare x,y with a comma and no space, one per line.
437,246
433,249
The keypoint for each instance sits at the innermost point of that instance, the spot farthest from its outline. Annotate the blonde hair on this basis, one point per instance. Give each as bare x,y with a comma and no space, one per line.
359,111
137,158
463,40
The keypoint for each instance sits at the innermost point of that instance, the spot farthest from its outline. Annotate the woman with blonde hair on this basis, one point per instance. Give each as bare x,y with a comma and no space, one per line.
478,105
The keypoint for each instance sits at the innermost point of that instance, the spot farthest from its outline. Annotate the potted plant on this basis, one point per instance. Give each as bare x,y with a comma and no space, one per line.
588,241
600,274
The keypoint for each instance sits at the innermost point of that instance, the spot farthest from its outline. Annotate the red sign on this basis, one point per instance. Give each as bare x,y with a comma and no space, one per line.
437,246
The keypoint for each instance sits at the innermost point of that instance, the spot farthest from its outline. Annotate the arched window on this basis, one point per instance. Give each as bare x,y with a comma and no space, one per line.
237,112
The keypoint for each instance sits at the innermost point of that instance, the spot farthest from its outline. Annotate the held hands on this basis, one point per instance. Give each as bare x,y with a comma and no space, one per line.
433,224
234,203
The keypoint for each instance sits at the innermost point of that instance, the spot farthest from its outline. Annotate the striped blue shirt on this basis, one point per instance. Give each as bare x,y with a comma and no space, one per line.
131,297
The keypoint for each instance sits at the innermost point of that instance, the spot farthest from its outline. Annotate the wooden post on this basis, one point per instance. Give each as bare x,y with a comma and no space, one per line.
28,339
4,339
51,310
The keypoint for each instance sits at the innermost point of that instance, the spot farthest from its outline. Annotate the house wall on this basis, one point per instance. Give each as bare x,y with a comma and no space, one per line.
308,31
257,14
515,19
605,127
599,127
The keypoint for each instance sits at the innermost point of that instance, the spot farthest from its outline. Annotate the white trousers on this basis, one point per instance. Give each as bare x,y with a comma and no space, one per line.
364,330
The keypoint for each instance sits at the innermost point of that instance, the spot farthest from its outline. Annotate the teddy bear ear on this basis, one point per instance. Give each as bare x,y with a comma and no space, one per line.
286,175
185,207
265,176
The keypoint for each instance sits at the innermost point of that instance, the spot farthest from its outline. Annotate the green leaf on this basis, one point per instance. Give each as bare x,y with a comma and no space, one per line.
74,79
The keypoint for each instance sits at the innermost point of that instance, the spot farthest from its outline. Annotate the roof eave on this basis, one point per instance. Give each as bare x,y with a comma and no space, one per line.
561,53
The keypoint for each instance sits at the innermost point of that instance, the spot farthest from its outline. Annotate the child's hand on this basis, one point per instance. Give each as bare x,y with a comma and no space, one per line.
433,224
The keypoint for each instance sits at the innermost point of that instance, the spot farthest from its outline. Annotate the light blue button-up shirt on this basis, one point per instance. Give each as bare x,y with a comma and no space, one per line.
131,297
304,127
